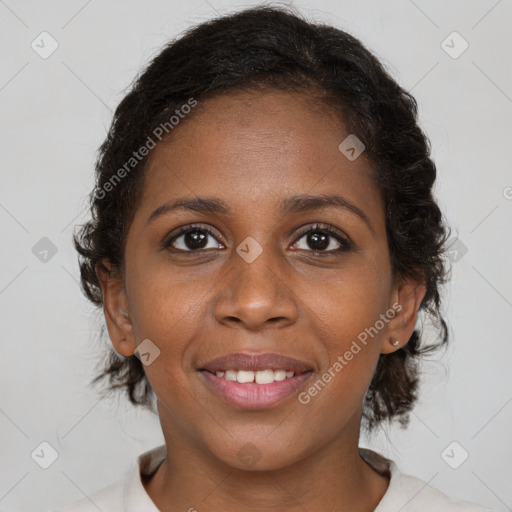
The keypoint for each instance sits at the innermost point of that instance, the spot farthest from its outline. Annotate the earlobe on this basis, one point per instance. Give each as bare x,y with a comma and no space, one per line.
409,294
115,308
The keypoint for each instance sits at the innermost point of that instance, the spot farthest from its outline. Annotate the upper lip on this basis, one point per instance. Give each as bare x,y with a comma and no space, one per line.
255,362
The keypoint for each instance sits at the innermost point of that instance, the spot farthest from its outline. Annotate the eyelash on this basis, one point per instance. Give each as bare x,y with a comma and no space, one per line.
345,243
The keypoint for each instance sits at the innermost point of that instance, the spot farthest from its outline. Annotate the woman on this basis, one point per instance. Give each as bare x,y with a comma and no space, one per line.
263,239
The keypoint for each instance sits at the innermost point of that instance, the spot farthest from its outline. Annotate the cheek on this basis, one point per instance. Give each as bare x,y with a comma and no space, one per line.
350,301
167,309
166,303
348,319
344,321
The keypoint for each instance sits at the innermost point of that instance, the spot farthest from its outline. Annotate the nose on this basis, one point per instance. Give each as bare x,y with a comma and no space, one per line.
256,295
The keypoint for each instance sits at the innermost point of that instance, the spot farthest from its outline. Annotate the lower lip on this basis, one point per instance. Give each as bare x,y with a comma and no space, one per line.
252,395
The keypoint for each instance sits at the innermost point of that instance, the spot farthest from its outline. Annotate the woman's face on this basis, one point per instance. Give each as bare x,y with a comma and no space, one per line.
256,169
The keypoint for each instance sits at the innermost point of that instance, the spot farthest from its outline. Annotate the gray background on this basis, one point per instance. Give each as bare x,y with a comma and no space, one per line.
55,113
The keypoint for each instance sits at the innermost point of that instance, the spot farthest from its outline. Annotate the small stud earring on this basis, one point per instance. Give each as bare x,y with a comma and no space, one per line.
124,313
395,343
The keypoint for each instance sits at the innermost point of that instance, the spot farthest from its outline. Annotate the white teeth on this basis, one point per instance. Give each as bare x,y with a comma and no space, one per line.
265,377
260,376
245,376
280,374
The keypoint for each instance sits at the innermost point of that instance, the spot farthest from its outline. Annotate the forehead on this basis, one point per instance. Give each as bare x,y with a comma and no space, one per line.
257,146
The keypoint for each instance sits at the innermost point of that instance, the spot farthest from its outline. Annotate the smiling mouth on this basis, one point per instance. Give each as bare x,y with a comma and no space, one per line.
248,380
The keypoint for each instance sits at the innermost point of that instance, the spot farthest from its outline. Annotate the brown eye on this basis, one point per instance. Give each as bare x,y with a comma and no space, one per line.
322,239
318,241
193,239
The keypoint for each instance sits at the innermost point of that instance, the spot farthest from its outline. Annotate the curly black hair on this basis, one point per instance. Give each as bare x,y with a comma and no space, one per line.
275,47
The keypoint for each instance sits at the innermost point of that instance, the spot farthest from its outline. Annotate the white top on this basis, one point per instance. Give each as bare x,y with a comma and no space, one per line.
405,493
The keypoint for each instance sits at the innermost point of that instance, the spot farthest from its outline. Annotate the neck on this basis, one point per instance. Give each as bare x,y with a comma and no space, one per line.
334,477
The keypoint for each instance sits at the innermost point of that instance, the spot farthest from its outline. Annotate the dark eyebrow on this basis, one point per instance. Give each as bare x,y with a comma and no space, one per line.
199,204
305,203
293,204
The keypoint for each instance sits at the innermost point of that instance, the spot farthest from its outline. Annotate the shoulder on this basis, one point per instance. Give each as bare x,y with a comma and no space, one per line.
127,494
110,498
410,494
415,495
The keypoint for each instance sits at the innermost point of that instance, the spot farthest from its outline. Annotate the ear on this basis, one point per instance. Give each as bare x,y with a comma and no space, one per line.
408,293
115,308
